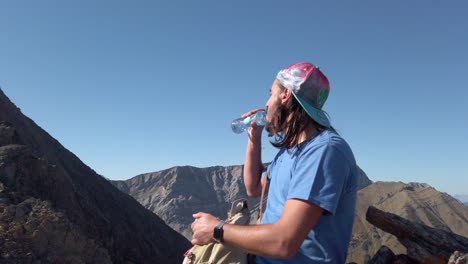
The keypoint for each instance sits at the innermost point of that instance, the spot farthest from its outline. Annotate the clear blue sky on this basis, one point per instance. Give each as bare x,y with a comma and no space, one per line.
140,86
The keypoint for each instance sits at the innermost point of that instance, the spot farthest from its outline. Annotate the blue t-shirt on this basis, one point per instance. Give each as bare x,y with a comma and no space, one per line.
323,172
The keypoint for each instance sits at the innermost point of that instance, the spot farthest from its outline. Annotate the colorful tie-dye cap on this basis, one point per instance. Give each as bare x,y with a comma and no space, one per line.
309,86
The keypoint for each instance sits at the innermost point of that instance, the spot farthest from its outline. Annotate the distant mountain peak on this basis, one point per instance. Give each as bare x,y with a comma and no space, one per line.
419,185
463,198
182,189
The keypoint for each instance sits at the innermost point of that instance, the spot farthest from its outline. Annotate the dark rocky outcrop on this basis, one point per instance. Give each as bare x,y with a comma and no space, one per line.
55,209
386,256
8,135
32,231
424,244
383,256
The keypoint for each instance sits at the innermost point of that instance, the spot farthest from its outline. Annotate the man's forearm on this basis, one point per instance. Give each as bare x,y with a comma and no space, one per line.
279,240
253,168
261,240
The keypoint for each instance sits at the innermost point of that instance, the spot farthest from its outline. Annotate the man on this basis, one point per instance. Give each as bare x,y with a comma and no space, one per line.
312,180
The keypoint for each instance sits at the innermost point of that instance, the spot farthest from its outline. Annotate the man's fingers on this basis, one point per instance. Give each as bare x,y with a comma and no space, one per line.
197,215
247,114
251,112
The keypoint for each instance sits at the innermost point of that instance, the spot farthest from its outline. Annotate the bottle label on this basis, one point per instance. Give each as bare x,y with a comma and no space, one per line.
247,120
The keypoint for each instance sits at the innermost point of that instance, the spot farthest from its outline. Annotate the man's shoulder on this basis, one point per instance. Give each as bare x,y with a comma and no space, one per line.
329,140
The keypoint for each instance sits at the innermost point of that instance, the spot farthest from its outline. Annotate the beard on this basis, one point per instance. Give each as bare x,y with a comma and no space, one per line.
274,126
269,129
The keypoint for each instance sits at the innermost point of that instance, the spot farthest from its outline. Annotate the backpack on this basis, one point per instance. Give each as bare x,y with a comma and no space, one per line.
219,253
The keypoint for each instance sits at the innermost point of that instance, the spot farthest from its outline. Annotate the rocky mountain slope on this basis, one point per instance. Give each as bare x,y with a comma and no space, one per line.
415,202
32,229
176,193
55,209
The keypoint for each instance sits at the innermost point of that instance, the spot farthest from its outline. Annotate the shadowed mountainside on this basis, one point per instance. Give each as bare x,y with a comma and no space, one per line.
50,201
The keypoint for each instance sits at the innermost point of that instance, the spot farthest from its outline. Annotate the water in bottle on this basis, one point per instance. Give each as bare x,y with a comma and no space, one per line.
240,125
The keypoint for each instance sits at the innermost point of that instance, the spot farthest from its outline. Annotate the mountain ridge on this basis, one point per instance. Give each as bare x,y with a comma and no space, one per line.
92,204
419,202
183,190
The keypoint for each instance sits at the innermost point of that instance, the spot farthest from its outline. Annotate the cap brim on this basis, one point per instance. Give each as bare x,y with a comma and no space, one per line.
316,114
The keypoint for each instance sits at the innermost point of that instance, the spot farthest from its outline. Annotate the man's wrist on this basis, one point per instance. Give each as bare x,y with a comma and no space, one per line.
218,232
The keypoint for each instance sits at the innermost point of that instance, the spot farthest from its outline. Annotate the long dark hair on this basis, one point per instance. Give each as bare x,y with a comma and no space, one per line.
292,120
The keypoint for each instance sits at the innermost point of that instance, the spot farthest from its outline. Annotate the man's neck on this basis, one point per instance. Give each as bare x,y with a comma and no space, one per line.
309,131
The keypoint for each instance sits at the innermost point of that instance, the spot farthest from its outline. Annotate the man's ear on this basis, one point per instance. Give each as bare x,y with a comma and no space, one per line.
286,96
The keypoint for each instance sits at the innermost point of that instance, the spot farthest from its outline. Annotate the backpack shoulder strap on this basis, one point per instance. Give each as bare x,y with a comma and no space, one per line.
262,197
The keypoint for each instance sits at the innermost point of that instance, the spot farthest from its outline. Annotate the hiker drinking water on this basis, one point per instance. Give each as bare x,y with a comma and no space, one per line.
312,181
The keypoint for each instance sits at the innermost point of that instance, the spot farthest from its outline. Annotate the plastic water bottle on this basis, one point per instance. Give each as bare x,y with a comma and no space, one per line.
240,125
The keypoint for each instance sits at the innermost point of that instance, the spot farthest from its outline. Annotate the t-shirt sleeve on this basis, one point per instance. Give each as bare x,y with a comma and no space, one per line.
318,177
